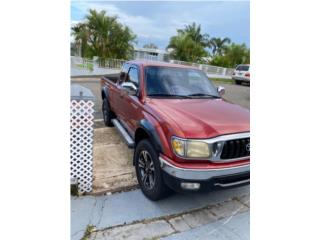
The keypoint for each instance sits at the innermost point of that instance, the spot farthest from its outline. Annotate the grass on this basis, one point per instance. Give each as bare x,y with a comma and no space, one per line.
87,233
74,190
87,65
222,80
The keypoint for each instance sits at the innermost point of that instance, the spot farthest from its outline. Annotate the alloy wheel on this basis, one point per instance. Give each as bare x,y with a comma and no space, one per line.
146,169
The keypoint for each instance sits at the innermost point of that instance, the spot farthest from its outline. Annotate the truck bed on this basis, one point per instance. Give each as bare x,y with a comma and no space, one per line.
112,77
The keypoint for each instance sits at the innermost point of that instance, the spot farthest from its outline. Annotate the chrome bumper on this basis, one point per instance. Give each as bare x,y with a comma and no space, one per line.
200,174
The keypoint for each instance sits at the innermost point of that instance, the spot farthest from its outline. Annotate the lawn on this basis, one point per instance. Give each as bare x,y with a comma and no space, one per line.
222,80
86,65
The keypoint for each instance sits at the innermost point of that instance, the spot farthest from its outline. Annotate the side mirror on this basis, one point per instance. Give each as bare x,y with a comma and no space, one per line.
221,90
129,87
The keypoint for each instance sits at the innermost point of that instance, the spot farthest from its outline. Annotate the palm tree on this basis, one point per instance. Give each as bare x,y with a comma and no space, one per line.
219,45
184,48
234,54
194,31
80,34
104,36
237,54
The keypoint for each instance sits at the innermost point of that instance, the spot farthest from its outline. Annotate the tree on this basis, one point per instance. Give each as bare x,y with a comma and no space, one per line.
189,44
103,36
194,31
234,54
184,48
80,33
150,45
219,45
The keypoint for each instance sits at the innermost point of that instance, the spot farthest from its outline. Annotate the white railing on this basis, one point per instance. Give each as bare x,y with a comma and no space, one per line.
99,64
110,63
91,64
209,69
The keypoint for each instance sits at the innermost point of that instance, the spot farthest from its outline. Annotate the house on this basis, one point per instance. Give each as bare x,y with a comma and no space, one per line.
151,54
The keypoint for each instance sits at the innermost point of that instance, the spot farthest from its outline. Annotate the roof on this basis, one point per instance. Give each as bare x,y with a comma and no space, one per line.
146,63
151,50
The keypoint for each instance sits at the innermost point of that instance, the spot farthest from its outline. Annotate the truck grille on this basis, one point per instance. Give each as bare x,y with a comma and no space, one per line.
236,148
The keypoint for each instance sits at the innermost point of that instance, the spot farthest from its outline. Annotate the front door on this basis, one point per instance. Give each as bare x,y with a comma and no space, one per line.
130,103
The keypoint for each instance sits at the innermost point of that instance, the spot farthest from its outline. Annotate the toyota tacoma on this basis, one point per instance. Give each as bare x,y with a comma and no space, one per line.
185,136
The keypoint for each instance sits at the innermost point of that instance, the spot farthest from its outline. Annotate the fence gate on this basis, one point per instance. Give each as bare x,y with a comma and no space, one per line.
81,137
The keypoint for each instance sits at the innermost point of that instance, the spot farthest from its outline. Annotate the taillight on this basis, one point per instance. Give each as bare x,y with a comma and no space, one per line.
247,75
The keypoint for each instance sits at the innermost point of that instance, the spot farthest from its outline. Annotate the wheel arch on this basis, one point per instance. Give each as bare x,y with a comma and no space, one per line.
146,130
104,93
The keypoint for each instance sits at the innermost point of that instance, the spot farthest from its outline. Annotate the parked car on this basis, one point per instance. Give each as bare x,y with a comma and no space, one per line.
241,74
185,136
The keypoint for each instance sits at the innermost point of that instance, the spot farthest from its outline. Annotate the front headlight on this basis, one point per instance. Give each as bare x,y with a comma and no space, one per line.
190,148
197,149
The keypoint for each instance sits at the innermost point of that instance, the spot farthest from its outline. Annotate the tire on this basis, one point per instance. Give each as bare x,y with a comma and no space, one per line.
148,171
107,114
238,82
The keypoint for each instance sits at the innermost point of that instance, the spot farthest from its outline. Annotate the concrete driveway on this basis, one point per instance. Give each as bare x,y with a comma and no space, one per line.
218,215
222,214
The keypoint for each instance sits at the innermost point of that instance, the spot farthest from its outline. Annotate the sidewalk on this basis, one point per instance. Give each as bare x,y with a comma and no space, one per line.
235,228
129,214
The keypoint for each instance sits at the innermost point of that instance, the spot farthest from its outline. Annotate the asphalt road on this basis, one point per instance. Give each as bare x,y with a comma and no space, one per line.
239,94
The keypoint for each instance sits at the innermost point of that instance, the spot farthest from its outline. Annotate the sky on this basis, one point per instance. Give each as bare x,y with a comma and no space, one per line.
155,22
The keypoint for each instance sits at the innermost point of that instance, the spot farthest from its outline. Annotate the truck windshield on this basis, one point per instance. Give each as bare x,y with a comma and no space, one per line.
174,82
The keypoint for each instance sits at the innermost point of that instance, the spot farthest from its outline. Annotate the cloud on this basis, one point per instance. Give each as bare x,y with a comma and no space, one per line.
157,21
142,26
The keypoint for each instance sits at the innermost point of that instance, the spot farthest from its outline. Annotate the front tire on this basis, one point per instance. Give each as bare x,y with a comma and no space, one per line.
148,171
238,82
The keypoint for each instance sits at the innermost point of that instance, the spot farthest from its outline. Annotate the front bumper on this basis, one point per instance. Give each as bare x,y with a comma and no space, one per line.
208,179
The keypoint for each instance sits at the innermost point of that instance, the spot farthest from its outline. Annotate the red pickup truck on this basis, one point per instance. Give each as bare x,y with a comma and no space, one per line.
185,136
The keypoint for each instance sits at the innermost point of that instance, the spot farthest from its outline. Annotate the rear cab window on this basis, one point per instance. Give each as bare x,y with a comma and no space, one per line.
243,68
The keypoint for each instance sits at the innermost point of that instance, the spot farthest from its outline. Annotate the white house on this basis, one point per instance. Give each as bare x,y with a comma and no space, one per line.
151,54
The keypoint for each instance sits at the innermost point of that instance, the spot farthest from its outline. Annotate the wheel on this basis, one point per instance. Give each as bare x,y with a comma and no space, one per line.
148,171
238,82
107,114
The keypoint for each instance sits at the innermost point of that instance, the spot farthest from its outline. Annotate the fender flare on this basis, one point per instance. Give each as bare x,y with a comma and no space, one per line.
104,92
152,133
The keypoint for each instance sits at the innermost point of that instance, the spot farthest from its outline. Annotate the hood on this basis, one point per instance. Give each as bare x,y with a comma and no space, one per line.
201,118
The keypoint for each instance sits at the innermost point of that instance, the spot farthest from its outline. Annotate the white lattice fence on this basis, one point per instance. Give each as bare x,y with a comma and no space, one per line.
81,124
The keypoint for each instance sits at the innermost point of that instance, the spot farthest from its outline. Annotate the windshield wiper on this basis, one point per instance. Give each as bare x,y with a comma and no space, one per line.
203,95
168,95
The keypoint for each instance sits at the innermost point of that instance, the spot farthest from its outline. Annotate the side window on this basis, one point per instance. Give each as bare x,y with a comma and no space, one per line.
133,76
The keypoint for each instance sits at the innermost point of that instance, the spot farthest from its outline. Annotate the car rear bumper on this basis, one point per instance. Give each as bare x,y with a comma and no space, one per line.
244,79
208,179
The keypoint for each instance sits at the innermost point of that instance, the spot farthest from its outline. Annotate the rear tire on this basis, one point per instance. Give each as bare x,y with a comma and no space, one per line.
148,171
107,114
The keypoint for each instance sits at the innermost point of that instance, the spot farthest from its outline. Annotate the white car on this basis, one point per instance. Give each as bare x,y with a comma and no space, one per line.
241,74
